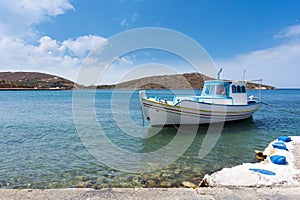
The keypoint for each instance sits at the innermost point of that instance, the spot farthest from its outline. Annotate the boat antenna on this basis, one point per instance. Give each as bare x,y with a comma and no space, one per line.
244,73
219,73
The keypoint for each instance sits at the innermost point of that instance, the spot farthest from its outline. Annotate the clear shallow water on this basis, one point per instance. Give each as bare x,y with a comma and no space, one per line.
40,147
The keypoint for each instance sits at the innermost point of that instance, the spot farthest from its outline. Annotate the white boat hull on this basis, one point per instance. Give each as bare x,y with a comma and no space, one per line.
192,112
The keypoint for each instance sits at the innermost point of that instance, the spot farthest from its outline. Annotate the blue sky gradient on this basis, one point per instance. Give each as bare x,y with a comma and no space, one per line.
224,28
262,37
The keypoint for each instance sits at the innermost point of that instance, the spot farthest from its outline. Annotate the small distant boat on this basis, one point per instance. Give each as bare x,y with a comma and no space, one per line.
220,101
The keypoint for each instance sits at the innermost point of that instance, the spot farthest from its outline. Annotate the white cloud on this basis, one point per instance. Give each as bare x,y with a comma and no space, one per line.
18,17
40,53
134,17
123,22
124,60
278,65
127,21
288,32
81,46
49,55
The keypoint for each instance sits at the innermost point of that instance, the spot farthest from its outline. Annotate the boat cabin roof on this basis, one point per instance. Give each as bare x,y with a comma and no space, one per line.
216,81
223,82
222,88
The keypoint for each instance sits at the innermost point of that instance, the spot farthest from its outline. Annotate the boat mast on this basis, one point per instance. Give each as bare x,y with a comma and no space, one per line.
219,73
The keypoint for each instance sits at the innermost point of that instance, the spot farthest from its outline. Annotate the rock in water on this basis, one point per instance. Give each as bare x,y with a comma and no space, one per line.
151,183
165,184
188,184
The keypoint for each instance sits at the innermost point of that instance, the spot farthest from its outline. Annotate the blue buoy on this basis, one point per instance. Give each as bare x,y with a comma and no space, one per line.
279,160
284,138
279,145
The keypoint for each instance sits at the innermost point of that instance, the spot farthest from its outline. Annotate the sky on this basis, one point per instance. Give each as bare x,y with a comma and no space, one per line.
261,37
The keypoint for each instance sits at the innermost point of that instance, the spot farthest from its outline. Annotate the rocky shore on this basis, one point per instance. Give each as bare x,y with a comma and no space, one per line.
281,168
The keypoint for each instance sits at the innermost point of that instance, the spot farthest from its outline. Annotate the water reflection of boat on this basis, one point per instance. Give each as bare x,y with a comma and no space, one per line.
220,101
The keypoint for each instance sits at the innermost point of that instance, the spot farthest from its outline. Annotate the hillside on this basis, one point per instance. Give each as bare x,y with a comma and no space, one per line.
42,81
177,81
33,80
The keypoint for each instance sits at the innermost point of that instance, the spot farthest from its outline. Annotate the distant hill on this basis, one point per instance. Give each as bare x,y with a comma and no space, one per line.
177,81
42,81
33,80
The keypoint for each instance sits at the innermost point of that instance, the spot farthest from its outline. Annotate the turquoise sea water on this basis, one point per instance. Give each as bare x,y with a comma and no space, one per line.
40,146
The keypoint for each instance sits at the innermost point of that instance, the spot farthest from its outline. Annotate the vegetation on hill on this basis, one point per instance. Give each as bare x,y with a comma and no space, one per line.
33,80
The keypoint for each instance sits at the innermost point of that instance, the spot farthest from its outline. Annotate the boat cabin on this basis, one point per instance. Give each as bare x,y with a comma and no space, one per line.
224,92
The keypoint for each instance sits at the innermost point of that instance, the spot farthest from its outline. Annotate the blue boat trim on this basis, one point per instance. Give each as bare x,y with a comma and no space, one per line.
215,104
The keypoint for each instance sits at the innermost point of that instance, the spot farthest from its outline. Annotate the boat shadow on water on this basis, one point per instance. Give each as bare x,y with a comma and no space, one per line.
229,137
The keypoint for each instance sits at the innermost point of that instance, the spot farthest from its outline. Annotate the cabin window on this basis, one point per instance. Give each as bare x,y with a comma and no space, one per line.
221,90
215,89
243,89
238,88
233,87
206,90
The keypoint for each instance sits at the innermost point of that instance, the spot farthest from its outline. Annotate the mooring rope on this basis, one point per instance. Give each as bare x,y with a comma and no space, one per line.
281,109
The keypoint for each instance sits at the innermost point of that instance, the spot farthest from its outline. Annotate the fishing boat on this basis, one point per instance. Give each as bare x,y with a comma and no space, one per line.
220,101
